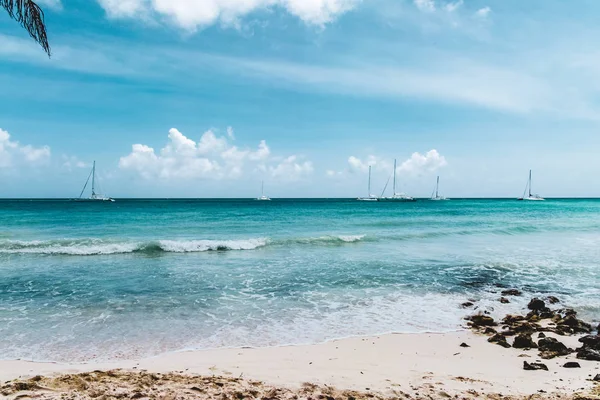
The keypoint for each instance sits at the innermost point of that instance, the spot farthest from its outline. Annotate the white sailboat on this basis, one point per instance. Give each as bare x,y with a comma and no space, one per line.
398,197
371,197
436,194
95,196
530,196
262,193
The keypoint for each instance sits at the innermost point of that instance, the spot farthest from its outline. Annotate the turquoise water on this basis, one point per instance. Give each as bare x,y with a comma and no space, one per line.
134,278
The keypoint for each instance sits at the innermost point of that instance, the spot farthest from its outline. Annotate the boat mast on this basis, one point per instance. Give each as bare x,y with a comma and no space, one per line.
94,179
529,183
369,181
394,176
437,186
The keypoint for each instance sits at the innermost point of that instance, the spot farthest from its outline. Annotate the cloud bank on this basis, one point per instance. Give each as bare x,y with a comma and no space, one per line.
196,14
12,153
211,157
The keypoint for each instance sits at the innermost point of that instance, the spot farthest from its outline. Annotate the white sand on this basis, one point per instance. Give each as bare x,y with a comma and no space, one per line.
406,362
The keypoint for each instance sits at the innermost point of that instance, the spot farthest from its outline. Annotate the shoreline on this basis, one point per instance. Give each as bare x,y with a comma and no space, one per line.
411,363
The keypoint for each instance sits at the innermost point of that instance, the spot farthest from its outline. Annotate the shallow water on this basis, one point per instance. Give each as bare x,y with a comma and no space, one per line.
142,277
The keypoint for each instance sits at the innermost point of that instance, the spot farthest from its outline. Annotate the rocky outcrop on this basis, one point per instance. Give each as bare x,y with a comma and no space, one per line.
524,341
500,340
534,366
511,292
551,348
479,320
591,348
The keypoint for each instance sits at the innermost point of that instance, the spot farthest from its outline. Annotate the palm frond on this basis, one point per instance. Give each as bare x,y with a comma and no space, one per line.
31,17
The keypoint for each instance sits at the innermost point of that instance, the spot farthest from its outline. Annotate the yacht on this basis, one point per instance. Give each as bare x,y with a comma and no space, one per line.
371,197
95,197
397,197
527,194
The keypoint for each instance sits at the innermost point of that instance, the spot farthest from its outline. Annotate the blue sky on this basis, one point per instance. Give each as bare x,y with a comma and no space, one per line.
206,98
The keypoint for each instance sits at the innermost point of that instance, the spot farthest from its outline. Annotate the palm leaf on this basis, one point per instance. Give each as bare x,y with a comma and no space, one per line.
31,17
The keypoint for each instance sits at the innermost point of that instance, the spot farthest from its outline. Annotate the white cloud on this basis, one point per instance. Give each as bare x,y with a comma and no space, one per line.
194,14
451,7
291,169
230,133
13,153
211,157
483,12
355,164
72,162
425,5
419,164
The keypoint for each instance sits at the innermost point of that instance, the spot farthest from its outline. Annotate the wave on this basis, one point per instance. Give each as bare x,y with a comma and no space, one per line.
91,247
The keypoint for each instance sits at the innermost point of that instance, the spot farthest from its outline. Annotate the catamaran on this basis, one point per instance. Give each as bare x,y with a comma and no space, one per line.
95,196
399,197
530,196
262,193
371,197
436,194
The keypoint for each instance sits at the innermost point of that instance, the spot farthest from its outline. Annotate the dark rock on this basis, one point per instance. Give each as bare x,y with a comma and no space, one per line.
591,341
575,325
552,299
596,378
464,345
481,320
541,335
536,304
467,304
524,341
490,331
499,340
534,366
550,348
585,353
572,364
511,319
511,292
504,300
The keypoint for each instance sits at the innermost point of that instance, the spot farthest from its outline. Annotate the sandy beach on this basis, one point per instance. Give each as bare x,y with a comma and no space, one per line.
416,365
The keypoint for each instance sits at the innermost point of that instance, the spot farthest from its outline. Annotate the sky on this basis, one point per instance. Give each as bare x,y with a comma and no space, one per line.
207,98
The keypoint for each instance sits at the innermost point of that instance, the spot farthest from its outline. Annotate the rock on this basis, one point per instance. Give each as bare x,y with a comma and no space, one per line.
467,304
524,341
534,366
585,353
511,319
541,335
575,325
550,348
490,331
464,345
481,320
572,364
591,341
511,292
504,300
499,339
536,304
552,299
596,378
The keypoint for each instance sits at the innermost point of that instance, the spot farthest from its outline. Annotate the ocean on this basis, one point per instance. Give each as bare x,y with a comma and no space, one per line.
137,278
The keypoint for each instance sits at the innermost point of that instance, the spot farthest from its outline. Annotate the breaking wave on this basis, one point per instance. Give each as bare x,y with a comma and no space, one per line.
91,247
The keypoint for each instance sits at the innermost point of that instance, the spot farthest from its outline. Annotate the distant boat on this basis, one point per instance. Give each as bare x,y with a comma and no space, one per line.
262,193
371,197
95,196
398,197
436,195
530,196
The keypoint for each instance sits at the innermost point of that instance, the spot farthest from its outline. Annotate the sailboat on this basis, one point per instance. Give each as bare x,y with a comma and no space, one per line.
436,194
262,193
371,197
530,196
399,197
95,196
